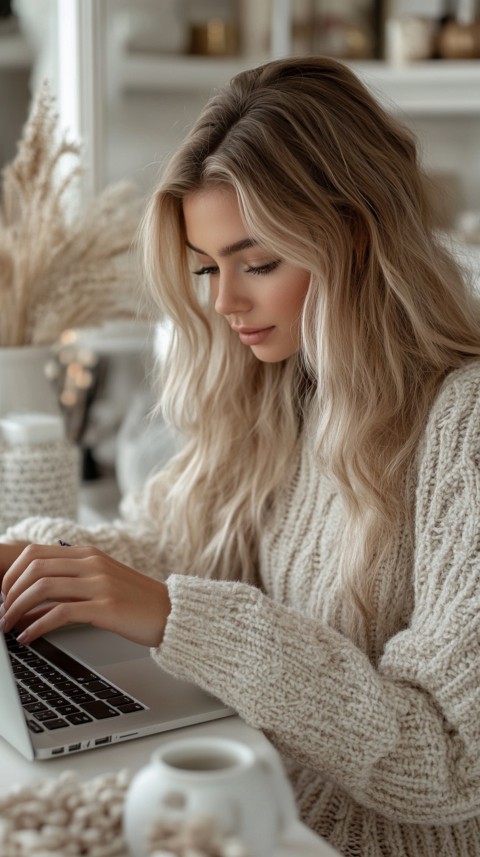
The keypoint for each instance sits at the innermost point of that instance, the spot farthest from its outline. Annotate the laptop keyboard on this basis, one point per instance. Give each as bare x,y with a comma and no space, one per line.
56,690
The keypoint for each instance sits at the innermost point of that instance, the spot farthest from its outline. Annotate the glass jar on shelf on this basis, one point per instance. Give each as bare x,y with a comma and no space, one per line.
343,29
212,27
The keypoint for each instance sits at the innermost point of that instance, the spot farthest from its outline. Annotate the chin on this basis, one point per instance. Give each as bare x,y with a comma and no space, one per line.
274,357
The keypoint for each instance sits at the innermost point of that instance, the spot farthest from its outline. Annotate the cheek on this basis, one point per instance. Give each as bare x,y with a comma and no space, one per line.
293,297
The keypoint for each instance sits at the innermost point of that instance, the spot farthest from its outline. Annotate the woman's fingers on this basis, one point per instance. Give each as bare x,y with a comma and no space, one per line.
38,556
41,576
42,591
9,552
58,615
33,615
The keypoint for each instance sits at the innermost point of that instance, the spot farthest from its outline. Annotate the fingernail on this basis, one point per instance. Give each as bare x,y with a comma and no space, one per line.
22,638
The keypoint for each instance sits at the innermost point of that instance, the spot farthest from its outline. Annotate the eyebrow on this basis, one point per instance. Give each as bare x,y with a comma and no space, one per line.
229,250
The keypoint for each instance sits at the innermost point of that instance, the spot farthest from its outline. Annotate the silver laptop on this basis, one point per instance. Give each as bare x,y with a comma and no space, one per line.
81,688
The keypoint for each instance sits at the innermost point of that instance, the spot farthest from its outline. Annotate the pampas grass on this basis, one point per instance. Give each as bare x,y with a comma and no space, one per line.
56,271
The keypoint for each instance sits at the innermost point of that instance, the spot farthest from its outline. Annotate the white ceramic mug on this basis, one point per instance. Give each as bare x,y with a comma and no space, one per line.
244,791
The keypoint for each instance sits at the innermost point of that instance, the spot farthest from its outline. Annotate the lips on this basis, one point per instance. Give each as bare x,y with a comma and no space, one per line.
253,335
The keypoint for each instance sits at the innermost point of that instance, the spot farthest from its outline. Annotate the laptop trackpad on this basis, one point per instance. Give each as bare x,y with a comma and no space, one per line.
97,647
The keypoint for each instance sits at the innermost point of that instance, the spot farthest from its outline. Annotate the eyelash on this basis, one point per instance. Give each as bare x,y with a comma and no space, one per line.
260,270
263,269
209,269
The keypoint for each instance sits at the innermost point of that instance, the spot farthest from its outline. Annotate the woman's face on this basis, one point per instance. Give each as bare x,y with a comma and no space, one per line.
260,295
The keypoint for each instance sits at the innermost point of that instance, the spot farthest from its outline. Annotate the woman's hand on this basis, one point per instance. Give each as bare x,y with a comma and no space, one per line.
48,586
9,552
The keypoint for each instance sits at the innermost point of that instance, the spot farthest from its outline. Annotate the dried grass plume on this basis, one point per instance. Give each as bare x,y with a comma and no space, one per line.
59,271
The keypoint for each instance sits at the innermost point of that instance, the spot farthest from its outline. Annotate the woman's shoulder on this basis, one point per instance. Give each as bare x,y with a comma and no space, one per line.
460,387
454,417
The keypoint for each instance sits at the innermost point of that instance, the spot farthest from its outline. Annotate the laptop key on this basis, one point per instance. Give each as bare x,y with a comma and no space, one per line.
67,709
94,686
37,686
49,693
24,654
33,707
119,700
69,686
99,710
21,673
25,696
132,706
57,700
11,642
48,714
77,719
80,698
107,694
35,662
27,675
45,667
55,724
49,673
34,727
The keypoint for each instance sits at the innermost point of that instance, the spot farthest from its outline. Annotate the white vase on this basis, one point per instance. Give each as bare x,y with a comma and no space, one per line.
23,383
244,792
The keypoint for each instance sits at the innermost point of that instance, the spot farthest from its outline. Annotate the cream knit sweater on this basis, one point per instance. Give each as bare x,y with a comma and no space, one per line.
381,739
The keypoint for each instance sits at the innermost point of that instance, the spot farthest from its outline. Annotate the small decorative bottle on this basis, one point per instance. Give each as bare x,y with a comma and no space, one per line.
459,35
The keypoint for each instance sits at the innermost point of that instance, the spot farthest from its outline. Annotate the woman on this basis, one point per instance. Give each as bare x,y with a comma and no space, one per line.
318,530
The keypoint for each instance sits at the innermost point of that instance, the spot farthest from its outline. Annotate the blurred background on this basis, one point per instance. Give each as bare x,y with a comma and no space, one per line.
151,64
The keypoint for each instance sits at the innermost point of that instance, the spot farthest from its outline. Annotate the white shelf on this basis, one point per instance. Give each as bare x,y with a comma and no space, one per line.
439,87
435,87
152,72
14,51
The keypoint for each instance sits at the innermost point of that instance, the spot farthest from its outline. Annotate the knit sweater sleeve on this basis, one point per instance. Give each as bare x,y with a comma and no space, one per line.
131,539
401,737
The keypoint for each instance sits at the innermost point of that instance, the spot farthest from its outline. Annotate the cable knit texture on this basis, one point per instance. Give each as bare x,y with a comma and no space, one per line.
381,735
38,479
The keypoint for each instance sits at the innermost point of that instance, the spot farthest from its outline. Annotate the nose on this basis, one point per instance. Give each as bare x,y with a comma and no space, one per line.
229,297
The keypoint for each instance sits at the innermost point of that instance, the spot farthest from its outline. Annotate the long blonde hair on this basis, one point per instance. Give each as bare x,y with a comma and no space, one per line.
330,182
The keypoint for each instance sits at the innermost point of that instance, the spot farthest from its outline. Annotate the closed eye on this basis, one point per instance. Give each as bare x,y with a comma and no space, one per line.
250,269
206,270
263,269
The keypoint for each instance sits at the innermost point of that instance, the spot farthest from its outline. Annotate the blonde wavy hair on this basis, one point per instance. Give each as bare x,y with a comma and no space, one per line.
328,181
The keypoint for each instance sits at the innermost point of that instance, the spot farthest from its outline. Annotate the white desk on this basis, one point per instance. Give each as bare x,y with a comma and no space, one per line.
133,755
